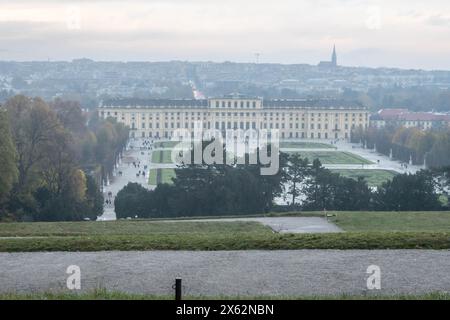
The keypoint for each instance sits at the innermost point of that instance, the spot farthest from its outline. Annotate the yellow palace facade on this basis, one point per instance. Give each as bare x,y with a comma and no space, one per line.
294,119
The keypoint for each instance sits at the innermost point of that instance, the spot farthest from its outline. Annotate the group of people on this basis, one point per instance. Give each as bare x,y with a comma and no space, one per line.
138,174
109,201
137,165
147,144
141,169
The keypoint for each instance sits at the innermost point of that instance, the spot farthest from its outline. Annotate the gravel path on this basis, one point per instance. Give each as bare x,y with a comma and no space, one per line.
302,272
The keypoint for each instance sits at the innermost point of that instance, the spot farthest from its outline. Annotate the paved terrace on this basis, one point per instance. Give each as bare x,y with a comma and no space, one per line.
230,273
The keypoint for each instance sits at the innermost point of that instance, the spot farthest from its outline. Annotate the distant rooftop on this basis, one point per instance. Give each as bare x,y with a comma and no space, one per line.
424,116
312,103
237,96
155,103
401,114
204,103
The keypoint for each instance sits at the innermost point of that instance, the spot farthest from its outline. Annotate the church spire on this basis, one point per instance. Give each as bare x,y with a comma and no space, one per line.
334,57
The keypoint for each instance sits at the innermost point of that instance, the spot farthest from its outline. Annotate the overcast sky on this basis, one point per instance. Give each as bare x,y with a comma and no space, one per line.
392,33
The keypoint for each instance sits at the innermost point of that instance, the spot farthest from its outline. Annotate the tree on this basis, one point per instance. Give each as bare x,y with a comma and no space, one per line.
70,115
51,181
351,194
32,125
439,155
8,167
132,201
110,139
297,172
330,191
441,176
408,192
94,199
201,189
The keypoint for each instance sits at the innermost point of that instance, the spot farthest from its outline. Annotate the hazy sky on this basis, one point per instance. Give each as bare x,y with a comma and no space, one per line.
394,33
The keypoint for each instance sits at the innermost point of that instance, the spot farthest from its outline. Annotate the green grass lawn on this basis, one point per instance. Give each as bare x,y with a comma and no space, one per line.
333,157
230,241
443,199
103,294
152,177
305,145
394,221
364,230
166,144
125,227
162,156
373,177
166,176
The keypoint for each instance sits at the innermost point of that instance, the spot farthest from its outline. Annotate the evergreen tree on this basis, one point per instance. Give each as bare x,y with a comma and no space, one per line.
408,192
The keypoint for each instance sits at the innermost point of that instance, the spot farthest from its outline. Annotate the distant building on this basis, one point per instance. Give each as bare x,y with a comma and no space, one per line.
295,119
386,117
332,63
401,117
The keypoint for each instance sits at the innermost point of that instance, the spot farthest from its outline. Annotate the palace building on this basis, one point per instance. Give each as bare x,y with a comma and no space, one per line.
295,119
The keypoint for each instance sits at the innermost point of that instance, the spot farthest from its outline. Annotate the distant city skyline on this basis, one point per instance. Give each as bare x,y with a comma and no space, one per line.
409,34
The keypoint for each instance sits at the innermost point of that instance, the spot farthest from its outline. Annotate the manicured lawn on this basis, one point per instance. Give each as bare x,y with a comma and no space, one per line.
305,145
166,144
246,240
124,227
394,221
188,235
162,156
333,157
166,176
364,230
443,199
152,178
373,177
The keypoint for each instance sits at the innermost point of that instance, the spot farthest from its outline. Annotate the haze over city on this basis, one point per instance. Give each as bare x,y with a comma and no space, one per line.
235,154
400,33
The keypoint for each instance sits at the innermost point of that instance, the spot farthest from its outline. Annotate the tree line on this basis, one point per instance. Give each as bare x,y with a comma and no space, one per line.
54,158
215,190
430,147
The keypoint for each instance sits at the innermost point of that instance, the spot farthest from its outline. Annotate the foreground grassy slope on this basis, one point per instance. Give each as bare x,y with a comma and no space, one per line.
127,228
102,294
393,221
230,241
364,230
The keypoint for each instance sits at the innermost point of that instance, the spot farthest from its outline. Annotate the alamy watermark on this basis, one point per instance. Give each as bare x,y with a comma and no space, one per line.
374,280
74,279
231,146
